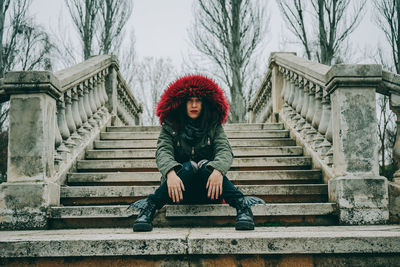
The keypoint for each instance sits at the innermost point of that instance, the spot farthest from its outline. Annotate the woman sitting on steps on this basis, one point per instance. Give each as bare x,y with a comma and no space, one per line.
193,153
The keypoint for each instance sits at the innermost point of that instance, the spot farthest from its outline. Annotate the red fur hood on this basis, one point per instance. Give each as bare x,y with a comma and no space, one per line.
192,86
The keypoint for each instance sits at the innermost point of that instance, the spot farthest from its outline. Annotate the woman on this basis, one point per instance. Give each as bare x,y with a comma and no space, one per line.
193,153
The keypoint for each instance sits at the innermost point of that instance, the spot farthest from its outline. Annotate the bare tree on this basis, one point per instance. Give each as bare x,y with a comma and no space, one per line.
293,12
388,20
334,20
228,33
386,132
152,76
84,14
23,46
113,18
128,64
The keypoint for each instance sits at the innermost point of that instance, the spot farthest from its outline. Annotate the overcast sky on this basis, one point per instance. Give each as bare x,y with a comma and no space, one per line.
160,27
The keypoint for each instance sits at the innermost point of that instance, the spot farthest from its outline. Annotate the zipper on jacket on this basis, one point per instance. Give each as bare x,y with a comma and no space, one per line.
208,141
192,151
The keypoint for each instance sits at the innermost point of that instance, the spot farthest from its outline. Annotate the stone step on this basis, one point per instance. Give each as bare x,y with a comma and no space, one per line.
211,210
127,144
143,191
326,245
230,135
237,177
246,163
237,151
227,127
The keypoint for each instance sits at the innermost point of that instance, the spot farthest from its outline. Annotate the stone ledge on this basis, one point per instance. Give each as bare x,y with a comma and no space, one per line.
234,176
230,134
142,191
214,210
270,162
227,127
189,241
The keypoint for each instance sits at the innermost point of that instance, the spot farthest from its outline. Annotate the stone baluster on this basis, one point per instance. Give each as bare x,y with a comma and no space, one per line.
318,107
301,121
291,98
292,91
97,96
75,111
70,118
326,120
62,124
92,101
82,110
60,149
309,131
318,137
103,91
300,99
88,108
311,103
304,108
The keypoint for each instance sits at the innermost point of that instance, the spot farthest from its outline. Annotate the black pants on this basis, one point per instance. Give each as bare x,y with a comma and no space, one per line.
195,181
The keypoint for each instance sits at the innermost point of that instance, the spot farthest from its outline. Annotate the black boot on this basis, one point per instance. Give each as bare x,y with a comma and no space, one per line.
144,220
244,217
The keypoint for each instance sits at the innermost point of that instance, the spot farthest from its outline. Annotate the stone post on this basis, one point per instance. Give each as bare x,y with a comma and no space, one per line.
360,193
30,189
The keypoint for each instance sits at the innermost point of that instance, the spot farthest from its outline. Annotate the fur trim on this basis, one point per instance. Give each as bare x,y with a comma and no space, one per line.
192,86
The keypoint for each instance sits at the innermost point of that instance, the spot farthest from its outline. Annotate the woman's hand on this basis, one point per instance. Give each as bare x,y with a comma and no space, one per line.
214,184
175,186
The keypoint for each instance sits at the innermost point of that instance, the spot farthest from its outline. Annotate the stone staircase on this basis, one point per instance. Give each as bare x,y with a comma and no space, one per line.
121,168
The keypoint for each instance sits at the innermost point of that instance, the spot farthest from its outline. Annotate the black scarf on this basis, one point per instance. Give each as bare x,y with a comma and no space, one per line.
192,131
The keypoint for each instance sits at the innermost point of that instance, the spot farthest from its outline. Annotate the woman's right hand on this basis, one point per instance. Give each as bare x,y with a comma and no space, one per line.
175,186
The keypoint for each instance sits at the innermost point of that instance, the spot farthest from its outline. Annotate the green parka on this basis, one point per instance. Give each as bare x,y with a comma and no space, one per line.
172,151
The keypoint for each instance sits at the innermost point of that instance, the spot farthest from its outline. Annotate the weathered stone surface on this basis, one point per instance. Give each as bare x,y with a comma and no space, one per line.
355,139
394,202
214,210
237,151
230,134
201,241
234,143
106,242
360,200
137,191
24,205
278,209
295,240
31,82
299,162
31,137
234,176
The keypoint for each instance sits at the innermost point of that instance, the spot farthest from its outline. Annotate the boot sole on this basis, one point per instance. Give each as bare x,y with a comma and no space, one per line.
142,227
244,226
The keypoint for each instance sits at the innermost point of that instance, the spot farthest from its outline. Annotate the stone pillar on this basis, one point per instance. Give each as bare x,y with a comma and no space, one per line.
360,193
29,189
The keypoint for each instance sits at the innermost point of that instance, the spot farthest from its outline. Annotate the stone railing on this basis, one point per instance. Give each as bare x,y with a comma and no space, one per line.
53,119
331,112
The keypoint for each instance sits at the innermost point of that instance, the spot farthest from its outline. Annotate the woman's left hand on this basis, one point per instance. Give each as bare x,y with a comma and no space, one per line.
214,184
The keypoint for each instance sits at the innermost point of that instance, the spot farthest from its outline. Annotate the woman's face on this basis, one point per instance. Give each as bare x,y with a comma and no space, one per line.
193,107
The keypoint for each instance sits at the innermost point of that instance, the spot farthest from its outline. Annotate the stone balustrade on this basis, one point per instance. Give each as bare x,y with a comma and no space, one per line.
331,111
54,118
